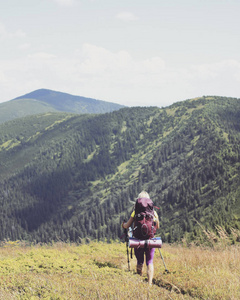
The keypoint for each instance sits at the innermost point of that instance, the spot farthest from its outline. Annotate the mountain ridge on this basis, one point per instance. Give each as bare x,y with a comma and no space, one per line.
67,176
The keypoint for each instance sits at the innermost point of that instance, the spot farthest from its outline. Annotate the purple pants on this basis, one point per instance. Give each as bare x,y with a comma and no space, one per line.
149,253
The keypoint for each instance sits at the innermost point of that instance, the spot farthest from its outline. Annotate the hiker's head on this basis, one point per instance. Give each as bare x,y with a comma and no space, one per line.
143,194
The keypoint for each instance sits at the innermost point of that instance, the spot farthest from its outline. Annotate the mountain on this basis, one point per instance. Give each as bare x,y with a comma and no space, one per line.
66,176
43,100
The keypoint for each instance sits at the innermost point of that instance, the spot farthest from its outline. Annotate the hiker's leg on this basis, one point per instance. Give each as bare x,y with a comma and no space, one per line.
149,256
139,253
139,269
150,271
149,262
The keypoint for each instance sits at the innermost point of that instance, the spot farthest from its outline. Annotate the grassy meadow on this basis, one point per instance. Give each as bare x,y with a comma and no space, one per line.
100,271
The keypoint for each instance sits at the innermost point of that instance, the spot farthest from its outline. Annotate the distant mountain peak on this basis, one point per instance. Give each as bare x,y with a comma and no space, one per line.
37,93
46,94
71,103
46,100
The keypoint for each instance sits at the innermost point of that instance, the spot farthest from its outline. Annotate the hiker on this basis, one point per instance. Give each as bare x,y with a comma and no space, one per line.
139,252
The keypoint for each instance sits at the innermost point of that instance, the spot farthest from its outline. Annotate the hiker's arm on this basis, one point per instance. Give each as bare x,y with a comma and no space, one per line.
157,221
128,224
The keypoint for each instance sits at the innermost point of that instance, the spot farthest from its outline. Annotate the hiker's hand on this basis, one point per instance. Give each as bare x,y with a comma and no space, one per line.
123,225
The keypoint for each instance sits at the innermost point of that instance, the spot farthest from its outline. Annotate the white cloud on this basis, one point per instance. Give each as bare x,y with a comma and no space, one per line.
19,34
152,80
2,77
41,56
96,60
221,78
126,16
65,2
24,46
214,70
3,31
5,34
96,72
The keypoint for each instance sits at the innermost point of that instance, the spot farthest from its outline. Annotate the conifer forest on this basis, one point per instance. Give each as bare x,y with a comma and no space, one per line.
69,177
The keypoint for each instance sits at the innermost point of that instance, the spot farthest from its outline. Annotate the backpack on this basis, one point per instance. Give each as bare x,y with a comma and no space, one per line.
144,227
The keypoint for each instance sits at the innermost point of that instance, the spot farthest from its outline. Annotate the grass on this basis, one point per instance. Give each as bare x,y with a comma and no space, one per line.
100,271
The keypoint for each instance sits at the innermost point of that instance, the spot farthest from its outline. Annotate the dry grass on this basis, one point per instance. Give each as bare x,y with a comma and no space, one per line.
203,273
100,271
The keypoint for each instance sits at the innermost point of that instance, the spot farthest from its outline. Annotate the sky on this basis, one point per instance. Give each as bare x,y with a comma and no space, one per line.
131,52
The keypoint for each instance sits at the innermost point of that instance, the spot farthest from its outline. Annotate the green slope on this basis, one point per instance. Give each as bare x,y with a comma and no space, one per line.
21,108
71,176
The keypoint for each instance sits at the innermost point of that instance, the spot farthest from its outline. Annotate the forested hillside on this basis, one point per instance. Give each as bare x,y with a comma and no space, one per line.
66,176
43,100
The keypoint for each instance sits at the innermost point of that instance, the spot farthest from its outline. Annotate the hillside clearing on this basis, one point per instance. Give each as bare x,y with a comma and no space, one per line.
100,271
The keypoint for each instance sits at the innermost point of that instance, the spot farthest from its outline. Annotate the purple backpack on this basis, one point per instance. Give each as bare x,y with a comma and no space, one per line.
144,227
